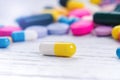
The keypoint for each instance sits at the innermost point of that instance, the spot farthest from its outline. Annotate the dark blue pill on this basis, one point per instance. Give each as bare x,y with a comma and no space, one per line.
41,19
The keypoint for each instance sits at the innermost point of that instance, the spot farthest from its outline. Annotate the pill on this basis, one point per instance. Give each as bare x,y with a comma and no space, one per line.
41,19
72,4
61,49
62,10
107,18
98,2
103,30
68,20
116,32
117,8
108,8
82,27
27,35
63,2
63,19
80,12
73,19
4,42
41,30
118,52
92,8
58,29
7,30
89,18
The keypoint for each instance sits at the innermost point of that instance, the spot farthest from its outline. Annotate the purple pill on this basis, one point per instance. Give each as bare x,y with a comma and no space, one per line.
41,30
58,29
103,31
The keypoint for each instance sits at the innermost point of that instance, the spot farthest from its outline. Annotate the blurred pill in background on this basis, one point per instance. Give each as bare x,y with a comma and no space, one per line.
42,31
73,19
7,30
63,2
107,18
82,27
27,35
118,52
41,19
4,42
60,49
58,29
97,2
116,32
103,31
117,8
80,12
88,18
63,19
71,4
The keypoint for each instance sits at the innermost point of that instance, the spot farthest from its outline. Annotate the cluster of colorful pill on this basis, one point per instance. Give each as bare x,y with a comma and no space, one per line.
104,2
76,16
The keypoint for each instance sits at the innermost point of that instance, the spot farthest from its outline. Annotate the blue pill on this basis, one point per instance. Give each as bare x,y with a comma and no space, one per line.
73,20
41,19
118,52
4,42
63,19
58,29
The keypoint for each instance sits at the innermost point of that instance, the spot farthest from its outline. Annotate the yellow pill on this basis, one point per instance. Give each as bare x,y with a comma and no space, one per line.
98,2
116,32
62,11
61,49
74,4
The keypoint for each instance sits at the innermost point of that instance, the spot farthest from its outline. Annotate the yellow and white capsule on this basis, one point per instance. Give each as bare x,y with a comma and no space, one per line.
62,49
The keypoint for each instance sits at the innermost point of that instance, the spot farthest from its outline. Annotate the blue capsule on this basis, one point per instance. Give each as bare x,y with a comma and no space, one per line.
118,52
4,42
27,35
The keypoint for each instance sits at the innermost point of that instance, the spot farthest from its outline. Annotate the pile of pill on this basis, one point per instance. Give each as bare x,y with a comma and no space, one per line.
75,16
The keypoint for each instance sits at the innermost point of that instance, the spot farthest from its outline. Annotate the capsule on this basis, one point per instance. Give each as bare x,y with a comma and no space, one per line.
72,4
61,49
41,19
4,42
116,32
27,35
107,18
118,52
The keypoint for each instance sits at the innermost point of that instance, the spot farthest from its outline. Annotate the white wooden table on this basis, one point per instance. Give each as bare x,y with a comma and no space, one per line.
95,58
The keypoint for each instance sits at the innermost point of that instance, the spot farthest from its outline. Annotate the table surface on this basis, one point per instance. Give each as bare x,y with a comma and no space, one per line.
95,58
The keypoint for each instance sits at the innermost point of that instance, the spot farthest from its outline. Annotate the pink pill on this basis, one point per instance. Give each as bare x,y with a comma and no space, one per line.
80,13
82,27
103,31
7,30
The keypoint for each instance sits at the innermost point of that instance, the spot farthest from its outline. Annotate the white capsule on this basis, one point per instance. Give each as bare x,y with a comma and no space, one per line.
64,49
